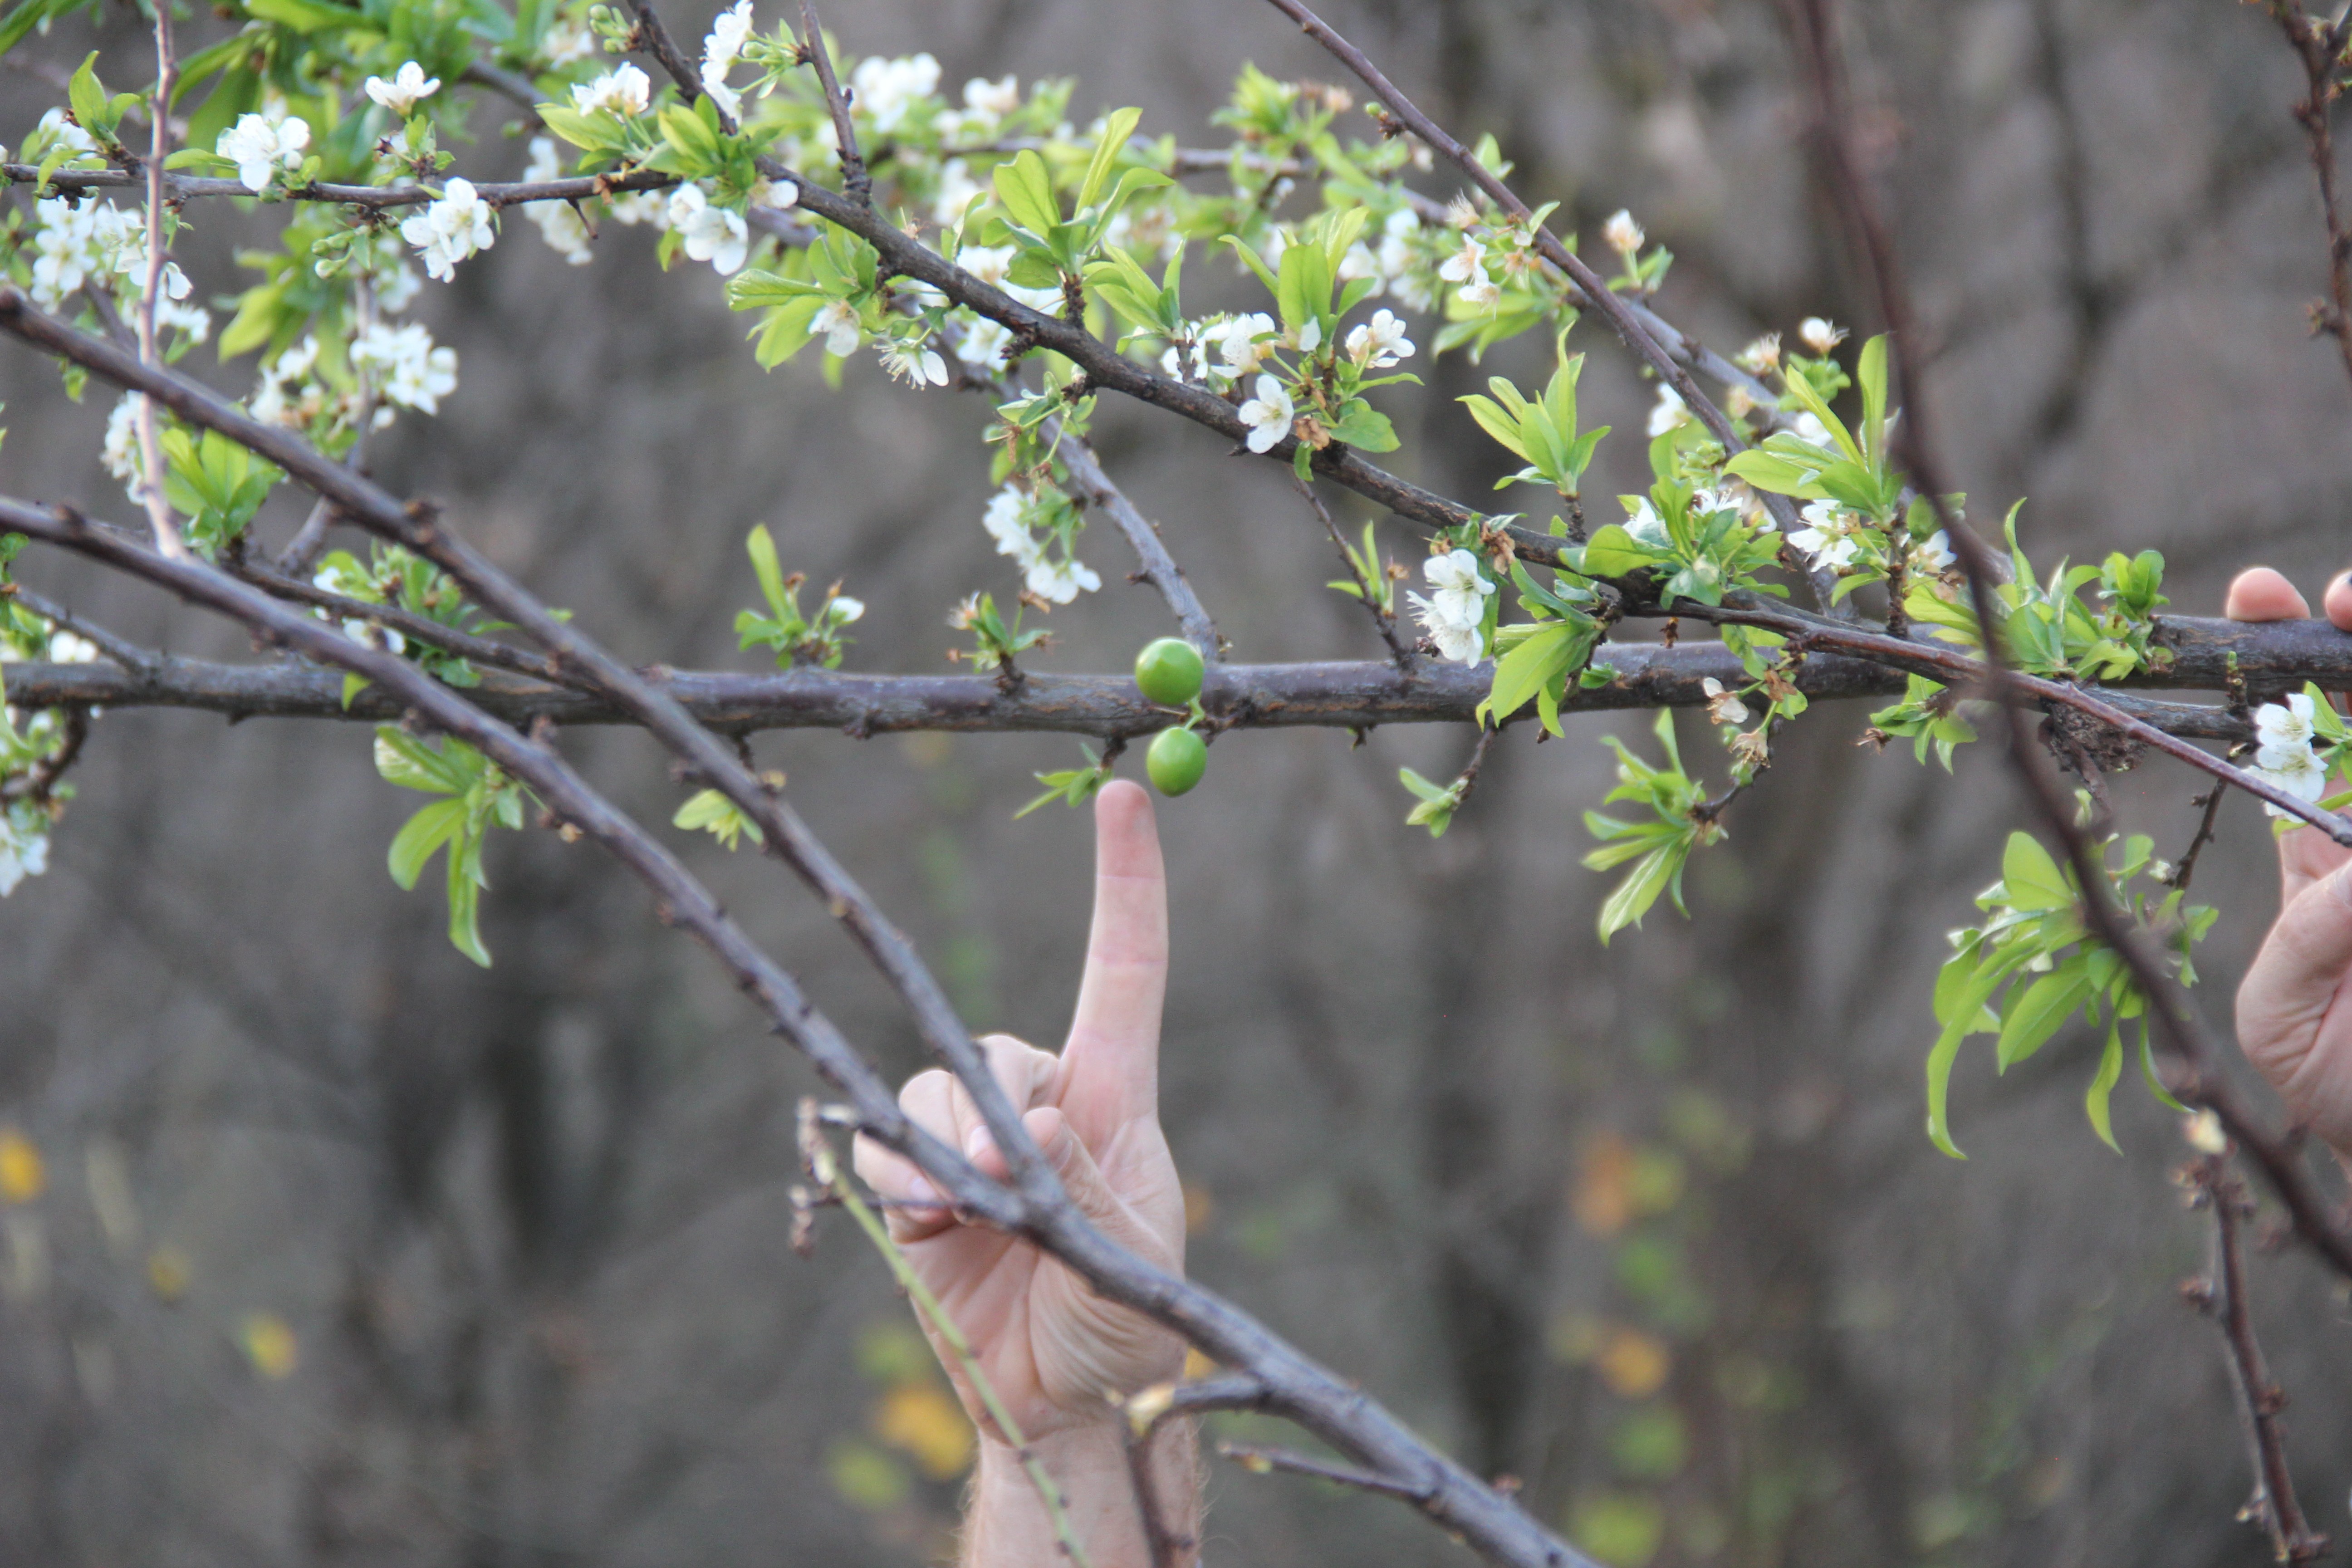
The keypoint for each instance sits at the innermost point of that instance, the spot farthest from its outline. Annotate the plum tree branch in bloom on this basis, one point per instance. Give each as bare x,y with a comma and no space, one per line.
1159,567
1317,1399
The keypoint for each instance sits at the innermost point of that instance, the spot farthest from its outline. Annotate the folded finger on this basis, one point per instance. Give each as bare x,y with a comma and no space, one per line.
913,1207
2338,601
1023,1072
2260,593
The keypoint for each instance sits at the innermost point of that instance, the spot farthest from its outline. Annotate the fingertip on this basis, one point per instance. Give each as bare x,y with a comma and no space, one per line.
1046,1127
1127,837
2338,601
2261,593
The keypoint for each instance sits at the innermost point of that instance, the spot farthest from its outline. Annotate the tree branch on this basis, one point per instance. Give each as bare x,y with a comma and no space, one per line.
1160,568
2221,1295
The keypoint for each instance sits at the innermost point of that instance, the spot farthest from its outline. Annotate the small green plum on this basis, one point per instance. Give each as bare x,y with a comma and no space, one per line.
1176,760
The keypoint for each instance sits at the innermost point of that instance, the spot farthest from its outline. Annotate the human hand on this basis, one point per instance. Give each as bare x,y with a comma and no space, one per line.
2295,1007
1049,1346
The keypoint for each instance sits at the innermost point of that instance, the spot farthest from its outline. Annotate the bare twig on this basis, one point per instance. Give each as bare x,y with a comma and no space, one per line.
2187,867
2222,1295
1160,568
855,179
2319,47
1375,594
118,649
1261,1461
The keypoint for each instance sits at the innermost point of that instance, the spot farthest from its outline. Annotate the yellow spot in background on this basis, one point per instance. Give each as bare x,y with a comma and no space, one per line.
930,1426
21,1176
1199,1209
1634,1364
1602,1197
1196,1365
167,1272
270,1345
865,1475
1575,1338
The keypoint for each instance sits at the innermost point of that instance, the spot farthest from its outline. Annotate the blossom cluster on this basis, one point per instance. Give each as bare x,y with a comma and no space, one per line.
1455,615
2285,754
1011,520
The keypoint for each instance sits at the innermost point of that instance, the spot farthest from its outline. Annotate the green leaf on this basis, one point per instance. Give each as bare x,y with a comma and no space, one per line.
1362,426
721,817
1639,890
1118,126
465,900
1027,191
404,760
89,99
2111,1068
2044,1007
304,16
415,844
2032,876
762,550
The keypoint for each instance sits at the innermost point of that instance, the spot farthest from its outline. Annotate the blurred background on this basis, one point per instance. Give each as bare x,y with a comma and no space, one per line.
323,1246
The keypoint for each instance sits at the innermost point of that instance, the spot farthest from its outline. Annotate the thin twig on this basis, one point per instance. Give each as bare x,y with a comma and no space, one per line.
1260,1461
118,649
2319,49
2222,1295
855,179
2187,865
1374,594
1160,568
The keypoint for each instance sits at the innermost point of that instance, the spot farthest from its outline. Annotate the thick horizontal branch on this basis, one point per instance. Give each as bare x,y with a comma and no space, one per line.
184,187
1337,695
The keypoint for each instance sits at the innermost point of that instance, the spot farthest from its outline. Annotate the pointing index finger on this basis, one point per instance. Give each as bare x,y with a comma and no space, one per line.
1112,1064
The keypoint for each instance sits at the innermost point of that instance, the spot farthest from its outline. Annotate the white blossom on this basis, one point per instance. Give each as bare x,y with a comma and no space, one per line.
1621,234
408,87
65,647
1828,535
837,319
624,90
120,456
1933,555
259,147
1820,334
1810,429
57,129
1245,342
982,341
1643,521
23,843
410,371
1267,414
1669,412
1061,581
844,609
560,223
566,42
712,234
993,98
2297,769
1464,643
914,364
958,190
1379,343
64,250
1461,590
2283,728
886,89
1763,354
1722,706
451,229
631,208
1007,522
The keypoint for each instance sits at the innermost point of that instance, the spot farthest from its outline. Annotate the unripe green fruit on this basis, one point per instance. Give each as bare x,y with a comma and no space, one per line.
1169,672
1178,759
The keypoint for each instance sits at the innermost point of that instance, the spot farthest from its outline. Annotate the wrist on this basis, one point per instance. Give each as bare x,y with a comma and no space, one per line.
1095,1483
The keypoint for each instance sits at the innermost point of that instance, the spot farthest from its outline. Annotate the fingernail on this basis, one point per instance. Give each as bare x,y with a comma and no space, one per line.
921,1192
978,1142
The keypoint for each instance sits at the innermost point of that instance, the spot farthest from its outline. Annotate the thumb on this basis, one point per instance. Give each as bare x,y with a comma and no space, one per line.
1090,1191
2293,980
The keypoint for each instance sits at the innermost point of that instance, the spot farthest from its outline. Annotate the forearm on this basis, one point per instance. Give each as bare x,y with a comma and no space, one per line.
1007,1525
